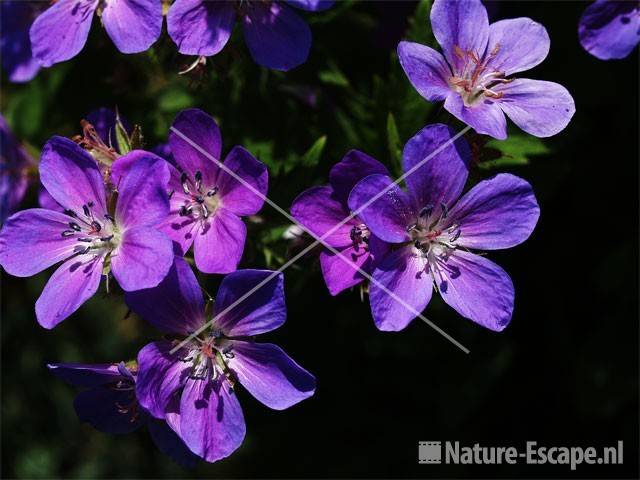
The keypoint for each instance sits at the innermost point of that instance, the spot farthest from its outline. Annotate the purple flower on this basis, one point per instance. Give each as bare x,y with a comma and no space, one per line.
88,237
276,36
320,209
206,201
432,230
110,405
16,18
471,77
193,388
610,29
15,163
61,31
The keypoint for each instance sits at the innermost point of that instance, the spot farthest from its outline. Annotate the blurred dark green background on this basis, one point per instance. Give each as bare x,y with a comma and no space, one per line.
565,372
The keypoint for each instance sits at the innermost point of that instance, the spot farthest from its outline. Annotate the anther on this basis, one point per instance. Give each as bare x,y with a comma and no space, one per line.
85,239
106,239
86,210
205,212
184,211
200,199
212,192
68,233
198,180
417,244
411,227
183,181
110,218
75,226
96,226
71,213
445,210
426,211
455,235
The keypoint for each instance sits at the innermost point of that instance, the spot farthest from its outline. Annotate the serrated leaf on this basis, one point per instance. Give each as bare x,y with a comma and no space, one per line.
312,156
515,150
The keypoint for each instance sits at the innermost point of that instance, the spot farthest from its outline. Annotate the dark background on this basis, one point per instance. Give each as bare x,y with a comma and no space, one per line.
564,373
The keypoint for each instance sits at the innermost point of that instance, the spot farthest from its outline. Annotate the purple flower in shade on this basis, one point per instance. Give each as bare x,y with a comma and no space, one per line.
320,209
471,77
610,29
431,230
91,239
61,31
15,163
16,18
207,202
193,388
110,405
276,36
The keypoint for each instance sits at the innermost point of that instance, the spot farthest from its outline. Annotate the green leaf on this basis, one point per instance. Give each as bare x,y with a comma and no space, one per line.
333,76
515,150
122,137
393,140
420,25
175,99
312,156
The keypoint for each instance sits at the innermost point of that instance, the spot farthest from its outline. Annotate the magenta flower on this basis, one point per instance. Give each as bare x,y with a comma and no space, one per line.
206,201
109,404
432,230
61,31
15,163
473,75
610,29
90,239
193,388
16,18
320,209
276,36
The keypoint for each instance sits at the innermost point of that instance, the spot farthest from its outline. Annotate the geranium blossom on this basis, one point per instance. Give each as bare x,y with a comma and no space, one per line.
61,31
206,201
610,29
15,163
431,231
473,78
276,36
16,18
108,402
320,209
90,238
193,387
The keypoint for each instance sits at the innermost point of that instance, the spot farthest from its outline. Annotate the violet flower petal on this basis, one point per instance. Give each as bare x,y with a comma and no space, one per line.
497,213
311,5
319,212
537,107
142,259
142,190
180,229
169,443
202,130
133,25
220,242
389,215
353,167
485,117
160,375
16,18
340,274
31,240
72,284
440,179
200,27
609,29
85,375
212,424
463,24
61,31
407,276
276,36
175,305
105,410
477,289
270,375
520,45
236,196
72,176
426,69
264,310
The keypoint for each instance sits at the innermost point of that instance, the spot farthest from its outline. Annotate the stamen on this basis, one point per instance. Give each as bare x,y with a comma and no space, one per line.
71,213
198,180
184,211
110,218
212,192
205,212
183,181
68,233
445,211
85,209
455,235
96,226
426,211
85,239
413,226
106,239
75,226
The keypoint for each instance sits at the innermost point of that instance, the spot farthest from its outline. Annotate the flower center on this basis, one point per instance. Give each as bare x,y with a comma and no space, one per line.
209,357
360,236
432,238
92,234
474,77
201,202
